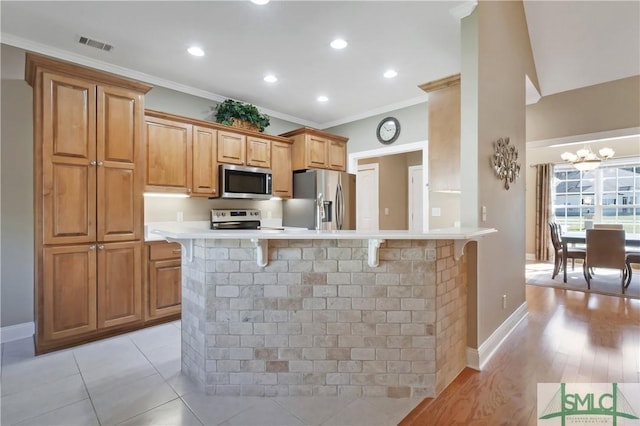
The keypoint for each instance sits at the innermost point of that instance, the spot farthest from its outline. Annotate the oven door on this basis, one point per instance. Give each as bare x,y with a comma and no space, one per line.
246,224
245,182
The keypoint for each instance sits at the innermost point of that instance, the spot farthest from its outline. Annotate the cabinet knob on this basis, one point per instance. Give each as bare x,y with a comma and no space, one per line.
189,190
100,163
101,247
93,163
92,247
213,190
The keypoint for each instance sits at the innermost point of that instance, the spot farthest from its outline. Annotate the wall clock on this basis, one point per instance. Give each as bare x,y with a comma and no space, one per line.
388,130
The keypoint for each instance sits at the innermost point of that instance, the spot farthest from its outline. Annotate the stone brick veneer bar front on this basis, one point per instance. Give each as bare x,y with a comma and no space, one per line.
318,320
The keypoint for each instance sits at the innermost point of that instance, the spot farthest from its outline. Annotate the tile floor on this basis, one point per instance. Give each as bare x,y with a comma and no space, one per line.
135,379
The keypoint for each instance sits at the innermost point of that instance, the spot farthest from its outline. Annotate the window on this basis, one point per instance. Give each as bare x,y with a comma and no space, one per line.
608,194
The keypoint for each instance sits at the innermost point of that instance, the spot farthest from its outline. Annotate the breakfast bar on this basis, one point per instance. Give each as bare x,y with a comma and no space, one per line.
299,312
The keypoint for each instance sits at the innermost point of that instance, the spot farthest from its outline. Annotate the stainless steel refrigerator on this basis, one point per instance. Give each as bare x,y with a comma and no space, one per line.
322,199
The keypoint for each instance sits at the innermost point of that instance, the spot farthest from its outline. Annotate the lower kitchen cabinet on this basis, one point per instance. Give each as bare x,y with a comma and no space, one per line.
164,280
89,288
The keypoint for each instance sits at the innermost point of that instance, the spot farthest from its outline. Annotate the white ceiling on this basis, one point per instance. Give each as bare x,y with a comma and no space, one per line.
575,44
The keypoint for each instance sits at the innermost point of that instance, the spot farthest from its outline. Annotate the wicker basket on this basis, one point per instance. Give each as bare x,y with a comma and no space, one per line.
241,124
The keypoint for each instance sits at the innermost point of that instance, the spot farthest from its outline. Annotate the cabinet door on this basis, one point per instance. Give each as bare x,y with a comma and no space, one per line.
68,292
316,152
119,283
258,152
119,137
205,161
231,148
68,159
281,166
165,285
337,156
168,156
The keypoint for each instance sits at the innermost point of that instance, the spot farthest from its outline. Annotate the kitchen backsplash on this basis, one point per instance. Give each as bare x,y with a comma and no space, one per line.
166,209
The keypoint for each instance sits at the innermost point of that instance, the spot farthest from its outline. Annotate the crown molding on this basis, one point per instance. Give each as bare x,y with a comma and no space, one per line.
463,10
441,83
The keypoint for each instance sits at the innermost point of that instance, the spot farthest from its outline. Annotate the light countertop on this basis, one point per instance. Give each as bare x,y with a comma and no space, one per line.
195,230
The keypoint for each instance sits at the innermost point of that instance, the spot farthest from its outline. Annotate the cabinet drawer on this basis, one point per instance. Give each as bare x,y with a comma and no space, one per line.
165,251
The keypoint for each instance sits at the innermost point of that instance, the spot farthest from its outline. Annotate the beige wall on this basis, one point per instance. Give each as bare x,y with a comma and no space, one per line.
394,187
496,55
627,147
16,190
608,106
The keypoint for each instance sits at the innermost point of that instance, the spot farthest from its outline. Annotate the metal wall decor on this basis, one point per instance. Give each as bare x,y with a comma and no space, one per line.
504,161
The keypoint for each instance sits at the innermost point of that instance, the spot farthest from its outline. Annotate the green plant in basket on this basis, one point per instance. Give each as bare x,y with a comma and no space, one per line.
229,111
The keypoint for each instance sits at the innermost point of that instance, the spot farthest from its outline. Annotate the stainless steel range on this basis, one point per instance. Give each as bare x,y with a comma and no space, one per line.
235,219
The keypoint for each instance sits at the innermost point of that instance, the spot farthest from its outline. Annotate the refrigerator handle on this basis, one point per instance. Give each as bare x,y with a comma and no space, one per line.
339,206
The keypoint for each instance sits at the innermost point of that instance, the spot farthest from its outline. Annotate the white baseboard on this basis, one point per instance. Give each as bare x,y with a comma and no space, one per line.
477,358
17,332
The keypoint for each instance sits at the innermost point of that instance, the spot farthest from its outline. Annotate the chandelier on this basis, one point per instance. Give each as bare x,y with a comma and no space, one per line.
584,159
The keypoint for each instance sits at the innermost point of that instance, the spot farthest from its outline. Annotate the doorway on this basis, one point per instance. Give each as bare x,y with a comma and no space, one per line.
420,147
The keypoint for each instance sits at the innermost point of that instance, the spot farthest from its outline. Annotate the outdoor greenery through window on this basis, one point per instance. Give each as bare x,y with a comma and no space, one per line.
608,194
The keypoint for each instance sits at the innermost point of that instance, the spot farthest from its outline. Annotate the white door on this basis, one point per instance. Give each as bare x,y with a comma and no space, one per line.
415,199
367,198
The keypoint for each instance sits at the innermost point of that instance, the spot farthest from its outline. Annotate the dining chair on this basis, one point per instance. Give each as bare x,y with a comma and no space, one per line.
572,253
607,226
633,257
605,249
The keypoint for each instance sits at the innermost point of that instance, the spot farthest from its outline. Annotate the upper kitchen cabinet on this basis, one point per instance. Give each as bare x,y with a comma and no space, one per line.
88,145
231,147
181,156
282,185
204,173
315,149
168,150
258,152
239,149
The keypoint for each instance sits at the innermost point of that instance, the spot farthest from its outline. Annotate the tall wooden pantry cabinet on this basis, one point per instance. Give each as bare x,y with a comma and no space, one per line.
88,183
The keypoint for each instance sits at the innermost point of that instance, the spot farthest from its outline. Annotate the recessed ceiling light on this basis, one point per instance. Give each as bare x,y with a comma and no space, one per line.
390,74
195,51
270,78
322,98
338,43
260,2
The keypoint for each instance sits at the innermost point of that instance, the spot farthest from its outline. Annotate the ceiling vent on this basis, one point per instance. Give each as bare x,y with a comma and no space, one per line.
95,43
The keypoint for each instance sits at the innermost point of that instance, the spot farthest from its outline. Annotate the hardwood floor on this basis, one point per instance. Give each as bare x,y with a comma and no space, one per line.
568,336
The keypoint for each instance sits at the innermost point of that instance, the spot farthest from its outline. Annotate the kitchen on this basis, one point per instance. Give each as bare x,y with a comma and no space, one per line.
199,108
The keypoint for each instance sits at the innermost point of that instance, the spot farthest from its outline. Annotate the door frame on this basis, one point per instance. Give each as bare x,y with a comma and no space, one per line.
400,149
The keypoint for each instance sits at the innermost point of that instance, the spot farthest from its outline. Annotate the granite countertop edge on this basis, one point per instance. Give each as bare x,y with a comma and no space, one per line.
187,231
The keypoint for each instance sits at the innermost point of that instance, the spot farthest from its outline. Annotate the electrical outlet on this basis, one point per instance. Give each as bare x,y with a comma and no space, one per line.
179,216
386,211
484,213
504,301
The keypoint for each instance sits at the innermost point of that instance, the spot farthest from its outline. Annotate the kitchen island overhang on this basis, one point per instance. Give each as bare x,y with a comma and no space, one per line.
317,317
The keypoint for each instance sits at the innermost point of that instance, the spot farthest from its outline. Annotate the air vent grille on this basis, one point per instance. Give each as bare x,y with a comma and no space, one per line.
95,43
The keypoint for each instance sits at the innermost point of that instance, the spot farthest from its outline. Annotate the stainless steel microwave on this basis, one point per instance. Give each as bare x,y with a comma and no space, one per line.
245,182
